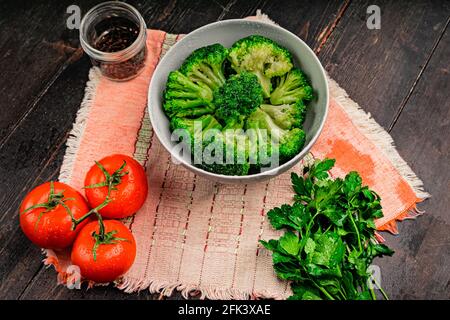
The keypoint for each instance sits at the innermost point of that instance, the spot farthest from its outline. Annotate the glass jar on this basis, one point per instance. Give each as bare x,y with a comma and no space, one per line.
113,34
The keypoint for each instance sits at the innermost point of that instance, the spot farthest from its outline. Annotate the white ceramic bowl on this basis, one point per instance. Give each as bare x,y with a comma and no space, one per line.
227,32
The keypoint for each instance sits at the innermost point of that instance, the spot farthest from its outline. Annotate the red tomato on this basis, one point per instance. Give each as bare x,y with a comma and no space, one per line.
50,227
112,259
130,184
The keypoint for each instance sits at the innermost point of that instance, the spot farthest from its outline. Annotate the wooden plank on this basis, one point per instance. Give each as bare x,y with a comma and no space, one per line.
180,16
378,67
35,47
33,154
21,260
423,275
185,16
423,129
312,21
173,17
421,134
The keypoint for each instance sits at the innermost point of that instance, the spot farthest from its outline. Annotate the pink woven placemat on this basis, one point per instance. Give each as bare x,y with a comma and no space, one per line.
194,235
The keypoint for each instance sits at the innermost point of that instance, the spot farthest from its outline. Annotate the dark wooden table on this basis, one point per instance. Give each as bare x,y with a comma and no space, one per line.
400,74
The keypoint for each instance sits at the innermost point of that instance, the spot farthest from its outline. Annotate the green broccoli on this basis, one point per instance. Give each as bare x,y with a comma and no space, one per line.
291,87
235,123
184,98
195,128
289,142
240,96
227,169
222,100
286,116
259,147
205,65
261,56
233,156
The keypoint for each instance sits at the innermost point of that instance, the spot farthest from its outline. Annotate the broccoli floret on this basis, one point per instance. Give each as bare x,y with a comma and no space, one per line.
227,169
286,116
259,147
261,56
289,142
196,128
291,87
240,96
184,98
205,65
234,154
235,123
205,122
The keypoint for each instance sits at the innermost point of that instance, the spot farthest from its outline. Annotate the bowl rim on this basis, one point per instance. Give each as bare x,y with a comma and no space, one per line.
257,176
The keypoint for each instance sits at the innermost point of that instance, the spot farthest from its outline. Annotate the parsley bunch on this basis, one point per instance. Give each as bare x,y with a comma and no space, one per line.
330,239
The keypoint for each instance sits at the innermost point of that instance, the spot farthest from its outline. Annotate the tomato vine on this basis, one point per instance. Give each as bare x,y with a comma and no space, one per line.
111,181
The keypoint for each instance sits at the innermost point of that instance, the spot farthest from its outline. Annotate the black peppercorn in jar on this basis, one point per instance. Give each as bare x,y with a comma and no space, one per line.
113,34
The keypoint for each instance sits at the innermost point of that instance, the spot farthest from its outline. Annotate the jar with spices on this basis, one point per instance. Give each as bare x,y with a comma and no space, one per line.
113,34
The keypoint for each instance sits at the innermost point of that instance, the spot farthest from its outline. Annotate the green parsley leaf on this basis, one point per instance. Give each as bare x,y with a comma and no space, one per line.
310,246
330,239
290,243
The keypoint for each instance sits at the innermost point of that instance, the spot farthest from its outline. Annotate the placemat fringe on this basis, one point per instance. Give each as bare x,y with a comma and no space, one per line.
131,285
74,140
411,213
263,17
380,137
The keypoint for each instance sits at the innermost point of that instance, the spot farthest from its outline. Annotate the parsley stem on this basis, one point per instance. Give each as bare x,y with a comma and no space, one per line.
357,231
385,296
383,293
344,296
372,293
308,229
322,289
